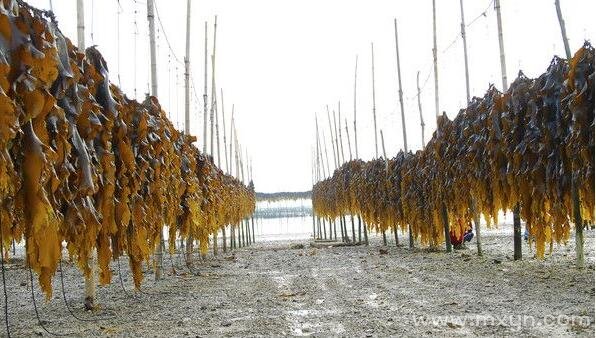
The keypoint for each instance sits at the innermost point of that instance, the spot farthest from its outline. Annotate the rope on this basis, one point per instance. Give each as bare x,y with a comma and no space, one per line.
122,282
68,306
165,35
4,285
39,321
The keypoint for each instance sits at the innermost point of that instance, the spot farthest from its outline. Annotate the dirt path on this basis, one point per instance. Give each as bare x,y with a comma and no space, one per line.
272,290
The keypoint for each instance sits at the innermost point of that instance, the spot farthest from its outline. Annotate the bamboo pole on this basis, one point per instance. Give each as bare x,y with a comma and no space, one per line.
579,226
348,137
80,25
400,91
232,141
326,154
223,118
90,292
341,142
501,46
463,36
213,96
187,73
350,150
216,113
337,155
205,97
374,107
355,125
153,68
563,30
386,170
318,141
436,71
403,121
517,253
420,107
335,161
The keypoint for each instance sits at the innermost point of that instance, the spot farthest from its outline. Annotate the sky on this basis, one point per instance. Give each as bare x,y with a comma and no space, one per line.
281,62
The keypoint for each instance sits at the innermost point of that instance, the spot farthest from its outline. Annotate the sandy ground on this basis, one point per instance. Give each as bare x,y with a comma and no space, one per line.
271,289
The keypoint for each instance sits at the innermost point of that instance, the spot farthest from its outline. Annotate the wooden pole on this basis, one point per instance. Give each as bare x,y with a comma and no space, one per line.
517,253
420,107
463,36
232,141
319,153
153,55
400,92
436,71
223,118
386,169
216,113
90,279
80,25
337,154
501,46
563,30
348,137
350,150
579,226
355,125
187,73
403,123
205,97
326,154
341,142
374,108
213,96
335,160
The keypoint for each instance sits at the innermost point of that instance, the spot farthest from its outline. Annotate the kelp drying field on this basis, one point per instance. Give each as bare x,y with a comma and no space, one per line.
527,147
82,163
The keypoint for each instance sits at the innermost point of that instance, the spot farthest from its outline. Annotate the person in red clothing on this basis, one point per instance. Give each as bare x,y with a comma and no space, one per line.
459,241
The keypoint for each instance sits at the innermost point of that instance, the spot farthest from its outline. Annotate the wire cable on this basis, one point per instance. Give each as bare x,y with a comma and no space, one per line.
4,284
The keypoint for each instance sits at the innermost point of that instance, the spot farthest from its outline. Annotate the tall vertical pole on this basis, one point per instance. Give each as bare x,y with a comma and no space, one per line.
205,97
563,30
355,126
232,142
436,72
80,25
187,73
326,153
151,19
444,214
374,107
348,137
501,46
341,142
335,160
403,126
463,36
216,113
420,107
400,93
517,253
319,149
386,167
223,118
213,90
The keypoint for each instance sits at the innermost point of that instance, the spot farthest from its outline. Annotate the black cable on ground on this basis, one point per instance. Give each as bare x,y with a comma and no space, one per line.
68,306
37,312
122,282
4,286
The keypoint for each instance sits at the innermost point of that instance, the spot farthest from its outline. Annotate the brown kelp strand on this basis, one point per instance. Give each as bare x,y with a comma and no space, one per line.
82,163
524,146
